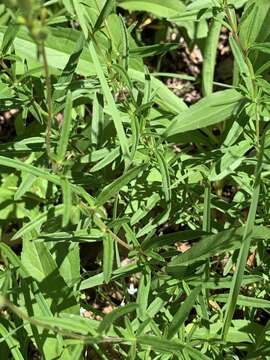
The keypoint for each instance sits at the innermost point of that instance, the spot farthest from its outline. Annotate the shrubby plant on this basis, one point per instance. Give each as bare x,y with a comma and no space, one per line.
116,192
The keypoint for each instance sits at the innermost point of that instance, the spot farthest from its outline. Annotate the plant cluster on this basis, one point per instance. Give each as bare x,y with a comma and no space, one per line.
115,193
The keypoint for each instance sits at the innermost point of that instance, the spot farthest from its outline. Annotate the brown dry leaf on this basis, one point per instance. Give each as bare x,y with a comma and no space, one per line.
182,247
214,305
88,314
251,260
107,309
60,118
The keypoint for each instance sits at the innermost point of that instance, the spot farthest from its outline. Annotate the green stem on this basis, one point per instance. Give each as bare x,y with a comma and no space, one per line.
49,98
5,303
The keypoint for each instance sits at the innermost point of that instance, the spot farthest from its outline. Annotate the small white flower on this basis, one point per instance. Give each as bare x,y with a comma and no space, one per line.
82,311
132,290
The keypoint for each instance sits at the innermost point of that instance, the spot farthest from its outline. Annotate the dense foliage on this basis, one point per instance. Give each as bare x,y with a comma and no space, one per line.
134,180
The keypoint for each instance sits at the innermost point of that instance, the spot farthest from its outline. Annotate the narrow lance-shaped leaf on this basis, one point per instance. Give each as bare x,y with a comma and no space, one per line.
112,106
114,315
25,185
13,344
68,72
244,250
108,159
163,168
254,24
264,47
183,312
242,64
143,291
97,119
66,129
209,56
105,12
153,50
247,301
211,110
109,191
82,17
37,222
168,346
125,50
9,36
159,8
67,201
108,257
19,165
16,262
217,243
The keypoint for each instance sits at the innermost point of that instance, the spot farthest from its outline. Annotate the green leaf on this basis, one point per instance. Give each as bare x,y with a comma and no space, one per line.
110,318
13,344
209,55
110,190
37,259
108,159
213,244
108,257
143,291
67,201
170,239
125,38
157,7
97,119
37,222
230,161
182,313
254,25
166,183
242,64
105,12
68,72
16,262
98,279
152,50
223,283
9,36
111,103
25,185
72,324
263,47
66,129
82,16
208,111
245,301
19,165
169,346
244,249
